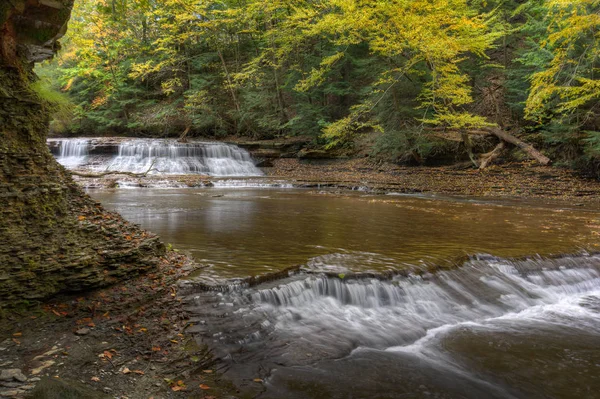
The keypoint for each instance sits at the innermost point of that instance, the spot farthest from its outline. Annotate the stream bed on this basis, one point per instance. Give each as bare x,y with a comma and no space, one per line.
395,297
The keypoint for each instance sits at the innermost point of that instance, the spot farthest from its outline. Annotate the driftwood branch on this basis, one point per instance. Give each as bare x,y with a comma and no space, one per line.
491,156
183,138
469,146
115,172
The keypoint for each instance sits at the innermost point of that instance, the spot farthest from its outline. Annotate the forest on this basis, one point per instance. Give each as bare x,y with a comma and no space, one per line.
405,81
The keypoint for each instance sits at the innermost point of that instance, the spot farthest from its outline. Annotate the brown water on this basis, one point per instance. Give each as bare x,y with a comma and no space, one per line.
254,231
492,328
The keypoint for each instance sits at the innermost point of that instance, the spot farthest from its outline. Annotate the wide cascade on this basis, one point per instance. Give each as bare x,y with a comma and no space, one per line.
432,325
382,313
156,157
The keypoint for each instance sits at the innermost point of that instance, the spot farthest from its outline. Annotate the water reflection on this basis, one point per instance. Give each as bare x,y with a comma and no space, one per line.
253,231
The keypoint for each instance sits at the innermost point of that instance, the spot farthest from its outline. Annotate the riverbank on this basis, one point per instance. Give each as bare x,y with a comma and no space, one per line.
125,341
510,181
515,180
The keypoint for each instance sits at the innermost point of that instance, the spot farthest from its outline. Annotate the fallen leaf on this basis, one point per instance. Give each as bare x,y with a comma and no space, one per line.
140,372
18,334
156,349
207,371
204,386
177,388
126,371
108,354
95,379
257,380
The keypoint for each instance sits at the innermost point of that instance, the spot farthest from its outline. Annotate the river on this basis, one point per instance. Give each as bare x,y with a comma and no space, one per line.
367,296
396,297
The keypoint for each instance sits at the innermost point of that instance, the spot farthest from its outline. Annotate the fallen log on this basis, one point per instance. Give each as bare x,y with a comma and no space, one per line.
183,137
528,148
506,137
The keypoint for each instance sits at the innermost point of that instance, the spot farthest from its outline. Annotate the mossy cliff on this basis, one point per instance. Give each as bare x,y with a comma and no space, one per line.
53,237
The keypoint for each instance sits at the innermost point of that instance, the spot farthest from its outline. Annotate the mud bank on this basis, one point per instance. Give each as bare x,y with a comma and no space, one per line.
516,180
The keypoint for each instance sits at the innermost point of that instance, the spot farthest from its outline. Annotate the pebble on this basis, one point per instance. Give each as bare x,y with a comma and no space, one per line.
10,393
12,374
44,365
10,384
82,331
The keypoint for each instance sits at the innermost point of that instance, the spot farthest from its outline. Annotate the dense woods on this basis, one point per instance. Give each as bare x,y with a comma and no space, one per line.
406,80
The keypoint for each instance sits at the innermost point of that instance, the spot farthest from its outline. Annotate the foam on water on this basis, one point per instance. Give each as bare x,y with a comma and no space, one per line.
230,183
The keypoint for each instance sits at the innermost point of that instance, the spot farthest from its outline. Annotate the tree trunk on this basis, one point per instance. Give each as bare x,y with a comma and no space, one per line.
229,82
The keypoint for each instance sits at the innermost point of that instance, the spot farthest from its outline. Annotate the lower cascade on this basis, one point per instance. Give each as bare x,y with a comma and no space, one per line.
388,313
155,157
311,325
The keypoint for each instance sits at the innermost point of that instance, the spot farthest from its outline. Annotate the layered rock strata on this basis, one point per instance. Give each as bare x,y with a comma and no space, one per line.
53,237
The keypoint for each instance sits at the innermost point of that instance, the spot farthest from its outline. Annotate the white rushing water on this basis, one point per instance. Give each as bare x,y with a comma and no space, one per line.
381,314
166,157
416,334
73,152
399,313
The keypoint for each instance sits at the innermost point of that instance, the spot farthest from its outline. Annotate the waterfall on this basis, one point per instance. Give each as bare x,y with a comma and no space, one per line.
380,313
163,157
493,328
72,152
167,157
399,312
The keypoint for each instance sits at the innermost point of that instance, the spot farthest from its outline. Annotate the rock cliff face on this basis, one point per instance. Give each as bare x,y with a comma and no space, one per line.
53,237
